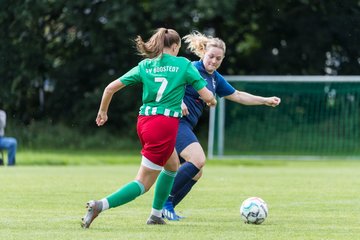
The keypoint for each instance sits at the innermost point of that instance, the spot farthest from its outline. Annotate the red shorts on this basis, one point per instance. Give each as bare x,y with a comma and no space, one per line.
157,135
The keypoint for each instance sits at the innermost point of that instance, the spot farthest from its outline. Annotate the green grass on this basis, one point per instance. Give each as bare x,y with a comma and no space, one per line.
306,199
76,158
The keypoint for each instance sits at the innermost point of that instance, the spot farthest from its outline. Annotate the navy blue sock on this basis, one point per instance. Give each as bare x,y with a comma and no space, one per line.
184,175
183,192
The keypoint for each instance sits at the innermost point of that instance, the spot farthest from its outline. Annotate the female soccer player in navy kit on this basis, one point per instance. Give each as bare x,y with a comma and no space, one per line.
164,77
211,52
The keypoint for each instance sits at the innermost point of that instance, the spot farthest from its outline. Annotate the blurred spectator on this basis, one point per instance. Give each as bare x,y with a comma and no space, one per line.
7,143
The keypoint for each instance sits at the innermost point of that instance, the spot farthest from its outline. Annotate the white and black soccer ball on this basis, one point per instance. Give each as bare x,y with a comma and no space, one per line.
254,210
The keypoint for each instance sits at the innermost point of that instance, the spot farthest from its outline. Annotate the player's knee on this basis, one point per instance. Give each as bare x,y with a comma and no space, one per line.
198,161
198,175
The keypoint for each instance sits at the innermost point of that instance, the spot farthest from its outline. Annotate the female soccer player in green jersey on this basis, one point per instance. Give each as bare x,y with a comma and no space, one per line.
164,77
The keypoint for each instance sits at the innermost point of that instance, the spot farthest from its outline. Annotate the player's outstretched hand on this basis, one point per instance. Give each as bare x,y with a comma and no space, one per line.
101,118
272,101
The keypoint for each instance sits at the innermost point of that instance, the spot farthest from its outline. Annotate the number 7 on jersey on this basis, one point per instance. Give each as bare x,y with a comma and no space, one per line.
161,90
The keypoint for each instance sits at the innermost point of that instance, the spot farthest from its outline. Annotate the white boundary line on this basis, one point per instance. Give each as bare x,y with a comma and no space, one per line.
293,78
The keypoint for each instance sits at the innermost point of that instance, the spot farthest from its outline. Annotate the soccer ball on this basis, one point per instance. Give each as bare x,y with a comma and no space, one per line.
254,210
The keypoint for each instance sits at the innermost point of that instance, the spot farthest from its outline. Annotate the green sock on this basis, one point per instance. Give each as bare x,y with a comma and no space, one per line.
126,194
163,187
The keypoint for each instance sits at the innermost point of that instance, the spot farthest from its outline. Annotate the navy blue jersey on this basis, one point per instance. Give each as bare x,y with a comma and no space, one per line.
215,83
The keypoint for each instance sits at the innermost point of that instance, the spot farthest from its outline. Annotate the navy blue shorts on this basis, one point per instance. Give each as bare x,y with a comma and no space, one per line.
185,136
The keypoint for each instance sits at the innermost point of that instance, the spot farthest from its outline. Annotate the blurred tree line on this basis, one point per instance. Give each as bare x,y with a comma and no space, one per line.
57,56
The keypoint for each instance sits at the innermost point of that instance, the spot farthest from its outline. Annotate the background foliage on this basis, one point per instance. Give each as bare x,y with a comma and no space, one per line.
57,56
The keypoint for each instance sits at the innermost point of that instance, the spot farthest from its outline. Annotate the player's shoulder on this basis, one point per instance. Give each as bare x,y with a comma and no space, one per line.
219,76
197,64
145,61
182,60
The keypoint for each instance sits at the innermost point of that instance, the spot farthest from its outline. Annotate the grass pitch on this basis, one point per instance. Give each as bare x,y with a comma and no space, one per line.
307,200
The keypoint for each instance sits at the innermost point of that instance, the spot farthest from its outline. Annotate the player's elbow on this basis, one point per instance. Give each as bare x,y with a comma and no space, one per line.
113,87
109,90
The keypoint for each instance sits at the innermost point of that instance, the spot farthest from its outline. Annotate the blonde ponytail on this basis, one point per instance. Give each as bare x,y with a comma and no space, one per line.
199,43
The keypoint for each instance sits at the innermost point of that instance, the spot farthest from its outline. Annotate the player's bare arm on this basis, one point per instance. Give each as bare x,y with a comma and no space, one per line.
109,91
249,99
207,96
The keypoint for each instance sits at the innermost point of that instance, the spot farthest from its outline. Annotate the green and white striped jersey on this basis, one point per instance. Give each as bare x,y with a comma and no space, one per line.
164,79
